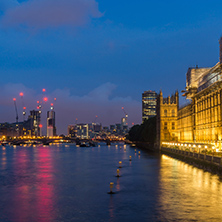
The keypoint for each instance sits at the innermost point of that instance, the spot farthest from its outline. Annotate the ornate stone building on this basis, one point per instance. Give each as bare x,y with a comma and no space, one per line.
167,109
201,120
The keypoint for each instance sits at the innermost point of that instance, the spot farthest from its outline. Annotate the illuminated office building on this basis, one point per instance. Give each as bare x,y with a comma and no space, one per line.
148,104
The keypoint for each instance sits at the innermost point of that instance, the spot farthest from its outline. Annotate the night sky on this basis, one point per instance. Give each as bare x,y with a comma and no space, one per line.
97,56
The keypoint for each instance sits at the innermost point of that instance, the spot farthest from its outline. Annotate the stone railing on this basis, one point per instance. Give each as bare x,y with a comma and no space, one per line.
204,157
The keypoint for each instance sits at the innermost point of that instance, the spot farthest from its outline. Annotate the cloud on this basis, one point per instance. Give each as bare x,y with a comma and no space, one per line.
7,4
42,14
68,107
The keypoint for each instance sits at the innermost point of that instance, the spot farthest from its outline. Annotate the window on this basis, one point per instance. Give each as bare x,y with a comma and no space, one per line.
173,126
165,125
173,112
165,112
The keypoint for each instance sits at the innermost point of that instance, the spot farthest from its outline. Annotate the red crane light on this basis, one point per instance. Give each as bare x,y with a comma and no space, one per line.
21,94
40,125
37,101
51,104
55,99
37,107
45,99
43,90
14,99
24,107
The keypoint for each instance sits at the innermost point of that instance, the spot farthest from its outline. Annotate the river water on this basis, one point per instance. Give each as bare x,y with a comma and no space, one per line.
68,183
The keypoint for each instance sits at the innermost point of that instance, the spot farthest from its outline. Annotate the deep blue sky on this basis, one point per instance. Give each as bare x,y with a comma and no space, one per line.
97,56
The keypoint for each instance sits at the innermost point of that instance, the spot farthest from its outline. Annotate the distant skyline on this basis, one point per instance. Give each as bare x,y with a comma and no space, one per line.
97,56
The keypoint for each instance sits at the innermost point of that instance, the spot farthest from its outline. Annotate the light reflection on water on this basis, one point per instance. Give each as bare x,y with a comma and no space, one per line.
187,192
68,183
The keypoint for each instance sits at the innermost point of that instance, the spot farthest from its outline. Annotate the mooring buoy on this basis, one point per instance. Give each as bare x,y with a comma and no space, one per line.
111,188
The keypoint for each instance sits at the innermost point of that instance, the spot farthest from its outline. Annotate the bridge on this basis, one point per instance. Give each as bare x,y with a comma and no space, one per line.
47,140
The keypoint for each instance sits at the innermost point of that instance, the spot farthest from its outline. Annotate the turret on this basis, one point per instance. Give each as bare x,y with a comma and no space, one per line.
161,97
168,100
220,42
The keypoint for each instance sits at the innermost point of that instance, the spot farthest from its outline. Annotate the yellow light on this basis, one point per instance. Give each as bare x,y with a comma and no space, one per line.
206,147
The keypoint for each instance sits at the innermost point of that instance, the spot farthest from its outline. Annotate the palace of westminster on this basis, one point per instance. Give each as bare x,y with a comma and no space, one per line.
201,120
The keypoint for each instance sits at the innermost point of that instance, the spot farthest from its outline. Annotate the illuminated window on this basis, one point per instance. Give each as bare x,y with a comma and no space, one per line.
173,112
173,126
165,112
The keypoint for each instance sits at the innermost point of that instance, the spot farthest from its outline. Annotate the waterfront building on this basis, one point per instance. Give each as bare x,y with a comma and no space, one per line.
80,131
34,123
112,128
29,127
166,121
201,120
51,129
71,131
11,129
148,104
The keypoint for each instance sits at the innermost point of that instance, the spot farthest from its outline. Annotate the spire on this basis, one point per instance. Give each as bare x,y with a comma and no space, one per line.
220,42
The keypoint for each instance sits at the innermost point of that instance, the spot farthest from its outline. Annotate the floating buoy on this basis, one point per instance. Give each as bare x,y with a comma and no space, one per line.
130,158
117,171
111,188
139,152
120,164
135,150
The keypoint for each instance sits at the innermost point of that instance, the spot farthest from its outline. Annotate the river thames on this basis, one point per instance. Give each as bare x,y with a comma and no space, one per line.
69,183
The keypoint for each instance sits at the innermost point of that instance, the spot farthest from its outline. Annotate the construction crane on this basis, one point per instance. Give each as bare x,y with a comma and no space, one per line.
126,115
16,111
24,108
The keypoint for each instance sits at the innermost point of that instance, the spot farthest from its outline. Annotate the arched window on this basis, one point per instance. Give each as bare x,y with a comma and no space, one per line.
173,112
165,112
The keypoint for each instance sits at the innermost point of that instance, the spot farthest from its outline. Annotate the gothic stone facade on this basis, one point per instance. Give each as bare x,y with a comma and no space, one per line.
201,120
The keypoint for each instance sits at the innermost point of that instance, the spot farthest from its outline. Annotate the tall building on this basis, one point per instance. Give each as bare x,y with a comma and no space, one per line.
51,129
166,122
148,104
34,122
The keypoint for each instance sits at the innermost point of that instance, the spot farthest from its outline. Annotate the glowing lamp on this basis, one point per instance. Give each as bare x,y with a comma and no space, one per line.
37,101
14,99
43,90
51,104
40,125
45,99
21,94
24,107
